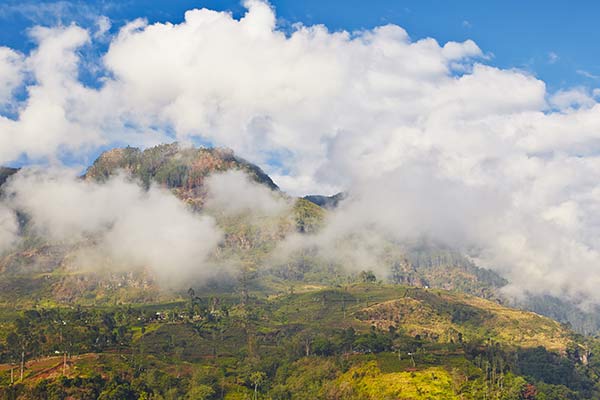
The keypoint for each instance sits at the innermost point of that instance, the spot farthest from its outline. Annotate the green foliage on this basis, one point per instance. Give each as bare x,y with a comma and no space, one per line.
299,346
550,368
366,381
200,392
173,166
308,216
367,277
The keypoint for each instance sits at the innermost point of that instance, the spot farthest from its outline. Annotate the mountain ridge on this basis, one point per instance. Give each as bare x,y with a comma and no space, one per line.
305,326
183,170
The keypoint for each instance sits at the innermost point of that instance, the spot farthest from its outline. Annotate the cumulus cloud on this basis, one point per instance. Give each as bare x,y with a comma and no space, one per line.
11,73
128,225
103,25
234,193
498,162
572,98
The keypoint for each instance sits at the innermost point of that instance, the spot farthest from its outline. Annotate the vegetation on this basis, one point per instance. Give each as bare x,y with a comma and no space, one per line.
337,343
428,324
181,169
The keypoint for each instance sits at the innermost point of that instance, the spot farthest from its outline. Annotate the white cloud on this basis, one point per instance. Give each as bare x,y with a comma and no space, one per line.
130,226
9,228
54,12
103,25
572,98
588,74
43,124
234,193
351,111
11,73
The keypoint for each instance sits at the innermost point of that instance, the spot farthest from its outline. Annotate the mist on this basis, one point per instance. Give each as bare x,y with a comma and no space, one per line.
9,228
116,223
233,192
399,208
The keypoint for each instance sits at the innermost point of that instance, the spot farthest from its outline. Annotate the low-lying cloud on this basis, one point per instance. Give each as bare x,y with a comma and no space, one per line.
9,228
402,207
233,192
118,222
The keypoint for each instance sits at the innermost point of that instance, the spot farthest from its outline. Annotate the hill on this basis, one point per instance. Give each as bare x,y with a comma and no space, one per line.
42,270
353,342
182,169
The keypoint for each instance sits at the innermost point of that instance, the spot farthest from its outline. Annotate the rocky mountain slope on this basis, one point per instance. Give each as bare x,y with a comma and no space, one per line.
181,169
184,171
42,270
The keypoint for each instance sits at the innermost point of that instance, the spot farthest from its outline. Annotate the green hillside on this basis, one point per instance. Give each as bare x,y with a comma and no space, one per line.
354,342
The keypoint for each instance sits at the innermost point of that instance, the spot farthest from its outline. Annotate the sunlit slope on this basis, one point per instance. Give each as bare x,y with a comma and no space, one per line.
432,314
359,341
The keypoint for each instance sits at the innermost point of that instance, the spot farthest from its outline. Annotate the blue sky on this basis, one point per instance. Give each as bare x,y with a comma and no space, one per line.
554,40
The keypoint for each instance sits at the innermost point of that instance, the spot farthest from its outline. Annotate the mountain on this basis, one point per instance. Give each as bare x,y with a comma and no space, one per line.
430,324
181,169
586,322
6,172
44,271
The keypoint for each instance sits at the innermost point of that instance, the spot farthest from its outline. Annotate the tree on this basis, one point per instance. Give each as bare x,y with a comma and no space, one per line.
192,295
323,347
200,392
257,378
367,277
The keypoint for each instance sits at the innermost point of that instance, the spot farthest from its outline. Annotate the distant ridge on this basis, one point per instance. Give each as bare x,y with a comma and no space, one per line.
328,202
6,172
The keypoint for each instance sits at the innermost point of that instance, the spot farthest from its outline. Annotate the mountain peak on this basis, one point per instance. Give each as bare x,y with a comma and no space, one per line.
182,169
